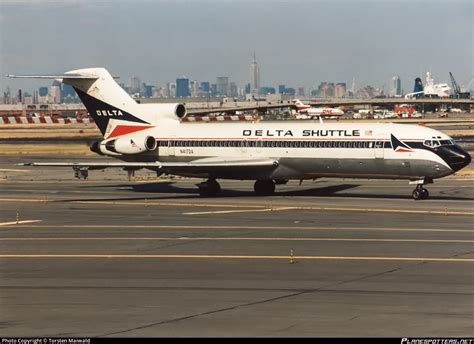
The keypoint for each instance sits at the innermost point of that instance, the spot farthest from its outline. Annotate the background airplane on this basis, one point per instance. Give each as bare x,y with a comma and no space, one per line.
308,110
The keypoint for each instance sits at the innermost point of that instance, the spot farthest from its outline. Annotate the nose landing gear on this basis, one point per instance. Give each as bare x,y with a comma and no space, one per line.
420,192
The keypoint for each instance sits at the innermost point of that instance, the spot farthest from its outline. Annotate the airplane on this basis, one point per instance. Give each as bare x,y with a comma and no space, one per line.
152,136
308,110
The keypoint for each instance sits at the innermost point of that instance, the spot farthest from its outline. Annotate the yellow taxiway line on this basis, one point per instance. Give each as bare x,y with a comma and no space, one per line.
252,207
222,257
371,210
224,227
449,241
237,211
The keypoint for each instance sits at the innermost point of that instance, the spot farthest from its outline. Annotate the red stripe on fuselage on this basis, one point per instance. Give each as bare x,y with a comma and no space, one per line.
403,150
127,129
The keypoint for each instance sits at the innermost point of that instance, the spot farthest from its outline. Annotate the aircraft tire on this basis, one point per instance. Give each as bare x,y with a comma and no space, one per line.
211,188
424,193
264,187
420,193
416,194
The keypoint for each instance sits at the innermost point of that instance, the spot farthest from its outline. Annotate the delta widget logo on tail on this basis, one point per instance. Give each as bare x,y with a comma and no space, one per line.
398,146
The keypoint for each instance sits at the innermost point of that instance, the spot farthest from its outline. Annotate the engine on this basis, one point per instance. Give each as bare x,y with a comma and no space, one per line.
180,111
164,111
130,145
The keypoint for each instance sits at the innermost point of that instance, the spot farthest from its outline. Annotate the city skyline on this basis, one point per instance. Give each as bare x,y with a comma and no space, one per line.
159,40
188,87
185,87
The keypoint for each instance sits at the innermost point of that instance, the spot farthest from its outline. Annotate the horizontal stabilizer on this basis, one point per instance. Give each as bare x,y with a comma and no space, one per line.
58,76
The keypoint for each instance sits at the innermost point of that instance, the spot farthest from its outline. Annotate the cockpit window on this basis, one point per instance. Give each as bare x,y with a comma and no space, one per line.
435,142
446,142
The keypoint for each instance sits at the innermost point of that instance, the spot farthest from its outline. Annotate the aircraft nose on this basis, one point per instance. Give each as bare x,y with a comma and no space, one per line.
456,157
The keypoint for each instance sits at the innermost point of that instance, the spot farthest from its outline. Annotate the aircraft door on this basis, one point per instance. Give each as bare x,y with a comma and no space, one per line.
379,149
244,146
169,149
258,145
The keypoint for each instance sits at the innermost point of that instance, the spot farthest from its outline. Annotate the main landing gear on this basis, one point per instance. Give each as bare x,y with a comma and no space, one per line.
420,192
81,172
209,188
264,187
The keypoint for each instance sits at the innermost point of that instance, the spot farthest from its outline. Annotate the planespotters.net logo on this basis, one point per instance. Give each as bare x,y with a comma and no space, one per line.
437,341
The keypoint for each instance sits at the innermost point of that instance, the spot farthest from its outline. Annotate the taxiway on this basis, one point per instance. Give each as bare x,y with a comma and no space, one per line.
112,257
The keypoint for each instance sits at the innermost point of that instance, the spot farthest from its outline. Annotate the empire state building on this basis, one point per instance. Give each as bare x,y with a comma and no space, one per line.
254,75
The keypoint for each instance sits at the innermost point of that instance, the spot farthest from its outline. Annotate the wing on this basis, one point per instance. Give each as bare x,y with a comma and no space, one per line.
214,166
221,167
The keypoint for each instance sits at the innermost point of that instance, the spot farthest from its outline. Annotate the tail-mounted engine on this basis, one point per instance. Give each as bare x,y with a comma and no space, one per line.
129,145
174,111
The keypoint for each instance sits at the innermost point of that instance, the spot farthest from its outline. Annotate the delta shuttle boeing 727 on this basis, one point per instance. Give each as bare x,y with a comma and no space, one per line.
152,136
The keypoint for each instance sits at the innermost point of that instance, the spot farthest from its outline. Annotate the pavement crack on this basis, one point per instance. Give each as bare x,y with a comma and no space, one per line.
273,299
207,313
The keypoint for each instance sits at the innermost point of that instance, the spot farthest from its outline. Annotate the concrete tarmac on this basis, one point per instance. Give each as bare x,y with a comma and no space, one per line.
146,258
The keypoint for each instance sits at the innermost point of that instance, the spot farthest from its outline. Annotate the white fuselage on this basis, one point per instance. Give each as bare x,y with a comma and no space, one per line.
307,149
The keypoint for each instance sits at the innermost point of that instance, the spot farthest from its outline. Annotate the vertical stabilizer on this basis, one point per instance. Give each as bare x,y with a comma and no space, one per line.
418,85
104,99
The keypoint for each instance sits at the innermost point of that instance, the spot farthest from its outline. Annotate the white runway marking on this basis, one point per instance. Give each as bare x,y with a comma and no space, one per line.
12,170
19,222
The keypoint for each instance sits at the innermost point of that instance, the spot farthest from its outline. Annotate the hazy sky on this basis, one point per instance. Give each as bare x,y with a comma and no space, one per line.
298,42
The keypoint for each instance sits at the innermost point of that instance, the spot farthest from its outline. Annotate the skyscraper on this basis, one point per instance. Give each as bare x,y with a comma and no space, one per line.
55,94
182,87
222,85
340,90
233,90
353,86
194,88
396,87
205,87
135,84
254,75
